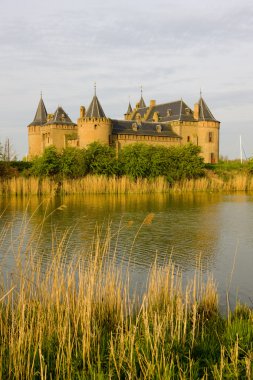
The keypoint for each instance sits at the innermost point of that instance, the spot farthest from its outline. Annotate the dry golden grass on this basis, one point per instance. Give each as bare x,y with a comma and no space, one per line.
123,185
78,320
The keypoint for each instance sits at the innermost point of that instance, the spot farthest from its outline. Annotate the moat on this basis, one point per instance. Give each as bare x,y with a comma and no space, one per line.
143,228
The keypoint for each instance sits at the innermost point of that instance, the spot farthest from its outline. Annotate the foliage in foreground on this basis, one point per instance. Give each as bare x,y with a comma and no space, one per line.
78,321
135,161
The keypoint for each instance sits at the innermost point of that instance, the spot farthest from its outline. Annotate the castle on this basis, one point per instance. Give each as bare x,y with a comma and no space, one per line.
167,124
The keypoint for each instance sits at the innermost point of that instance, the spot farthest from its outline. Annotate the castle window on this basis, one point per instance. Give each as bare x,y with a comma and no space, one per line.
210,136
188,138
158,128
212,158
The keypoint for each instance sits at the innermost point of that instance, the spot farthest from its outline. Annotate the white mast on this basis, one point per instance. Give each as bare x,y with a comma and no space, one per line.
241,148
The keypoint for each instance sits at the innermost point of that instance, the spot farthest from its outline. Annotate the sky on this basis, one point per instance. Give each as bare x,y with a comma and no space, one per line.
170,48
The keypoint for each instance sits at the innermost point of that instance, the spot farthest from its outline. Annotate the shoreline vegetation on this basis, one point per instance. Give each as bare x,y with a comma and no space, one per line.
78,320
136,168
101,184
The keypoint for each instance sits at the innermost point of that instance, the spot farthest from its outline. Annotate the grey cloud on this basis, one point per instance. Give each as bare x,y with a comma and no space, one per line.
172,49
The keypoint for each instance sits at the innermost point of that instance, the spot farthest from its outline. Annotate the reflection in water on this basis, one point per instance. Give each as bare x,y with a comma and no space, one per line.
182,227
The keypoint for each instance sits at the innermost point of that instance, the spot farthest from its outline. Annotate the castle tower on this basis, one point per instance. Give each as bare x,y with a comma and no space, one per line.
208,131
34,130
128,113
59,131
93,125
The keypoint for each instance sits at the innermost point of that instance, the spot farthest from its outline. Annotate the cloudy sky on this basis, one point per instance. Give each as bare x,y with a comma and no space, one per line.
171,48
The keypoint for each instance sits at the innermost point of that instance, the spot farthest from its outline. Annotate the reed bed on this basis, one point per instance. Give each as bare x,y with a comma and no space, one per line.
78,320
123,185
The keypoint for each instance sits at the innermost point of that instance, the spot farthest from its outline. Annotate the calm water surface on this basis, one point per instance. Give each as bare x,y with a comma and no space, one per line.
218,227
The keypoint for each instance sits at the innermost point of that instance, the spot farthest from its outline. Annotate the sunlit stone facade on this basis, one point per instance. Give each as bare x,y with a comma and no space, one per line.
167,124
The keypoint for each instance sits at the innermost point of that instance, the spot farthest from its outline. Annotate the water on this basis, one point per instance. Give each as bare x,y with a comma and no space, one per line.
217,227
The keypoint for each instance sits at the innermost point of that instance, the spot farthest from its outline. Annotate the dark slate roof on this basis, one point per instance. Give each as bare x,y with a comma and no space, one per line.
143,129
61,117
177,110
141,103
95,109
129,110
204,112
41,114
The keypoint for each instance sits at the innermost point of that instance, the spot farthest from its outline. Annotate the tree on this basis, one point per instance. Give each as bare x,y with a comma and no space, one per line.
176,162
101,159
7,152
73,163
49,164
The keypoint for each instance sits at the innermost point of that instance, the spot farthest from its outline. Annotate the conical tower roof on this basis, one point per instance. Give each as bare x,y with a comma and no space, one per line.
141,103
129,110
60,116
95,109
204,111
40,117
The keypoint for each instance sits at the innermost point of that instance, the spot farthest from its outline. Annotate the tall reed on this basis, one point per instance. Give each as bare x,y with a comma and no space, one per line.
123,185
77,319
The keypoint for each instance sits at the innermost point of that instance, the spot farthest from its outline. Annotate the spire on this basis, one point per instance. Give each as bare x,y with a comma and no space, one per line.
142,104
129,110
41,113
204,111
95,109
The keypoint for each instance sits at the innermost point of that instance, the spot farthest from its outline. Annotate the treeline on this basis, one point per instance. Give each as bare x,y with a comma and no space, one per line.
135,161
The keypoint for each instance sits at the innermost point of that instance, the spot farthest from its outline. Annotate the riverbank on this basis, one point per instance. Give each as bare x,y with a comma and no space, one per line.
98,184
78,320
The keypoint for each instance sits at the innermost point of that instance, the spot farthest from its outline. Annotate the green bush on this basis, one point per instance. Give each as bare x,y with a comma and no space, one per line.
176,162
136,161
47,165
73,163
101,159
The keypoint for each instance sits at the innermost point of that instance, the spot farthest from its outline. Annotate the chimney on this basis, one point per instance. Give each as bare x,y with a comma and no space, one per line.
196,111
82,111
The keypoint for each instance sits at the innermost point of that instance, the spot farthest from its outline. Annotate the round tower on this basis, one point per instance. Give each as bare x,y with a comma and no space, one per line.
34,130
93,125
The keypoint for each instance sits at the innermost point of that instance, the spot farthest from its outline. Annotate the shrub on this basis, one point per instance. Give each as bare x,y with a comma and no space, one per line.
6,170
73,163
135,161
176,162
101,159
49,164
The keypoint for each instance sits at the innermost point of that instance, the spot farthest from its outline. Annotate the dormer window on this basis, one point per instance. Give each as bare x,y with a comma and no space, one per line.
134,127
138,116
187,111
156,116
169,112
158,128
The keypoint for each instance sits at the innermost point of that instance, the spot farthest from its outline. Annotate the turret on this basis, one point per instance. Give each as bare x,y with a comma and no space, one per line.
94,125
58,130
34,130
208,131
128,112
